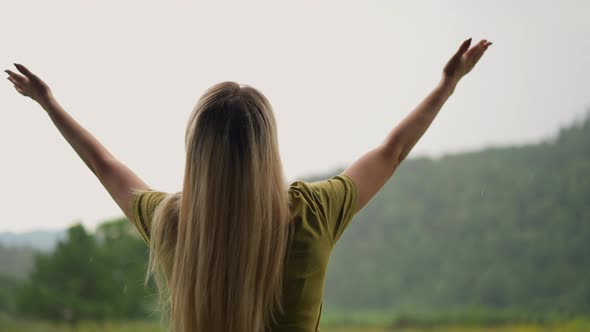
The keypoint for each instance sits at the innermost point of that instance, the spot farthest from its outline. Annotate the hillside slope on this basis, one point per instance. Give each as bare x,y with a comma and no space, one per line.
498,229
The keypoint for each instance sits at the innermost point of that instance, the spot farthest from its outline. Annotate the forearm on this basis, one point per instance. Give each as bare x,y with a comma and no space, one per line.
400,141
90,150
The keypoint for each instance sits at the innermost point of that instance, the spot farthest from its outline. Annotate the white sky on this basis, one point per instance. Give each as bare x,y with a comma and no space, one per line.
340,76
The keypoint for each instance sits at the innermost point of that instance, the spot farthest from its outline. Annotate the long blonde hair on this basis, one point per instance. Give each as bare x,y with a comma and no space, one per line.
217,247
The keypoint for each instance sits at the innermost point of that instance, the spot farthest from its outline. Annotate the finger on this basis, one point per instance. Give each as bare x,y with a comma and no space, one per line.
476,50
17,77
478,55
17,87
20,90
484,44
480,44
24,70
479,52
12,80
464,47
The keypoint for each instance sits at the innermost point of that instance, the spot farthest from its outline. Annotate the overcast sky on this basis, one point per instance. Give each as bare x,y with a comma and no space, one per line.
339,74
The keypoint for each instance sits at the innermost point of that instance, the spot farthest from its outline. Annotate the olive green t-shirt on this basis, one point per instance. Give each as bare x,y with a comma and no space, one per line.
320,212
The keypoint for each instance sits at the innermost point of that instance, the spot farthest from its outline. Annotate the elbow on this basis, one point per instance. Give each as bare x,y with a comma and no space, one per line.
102,165
393,154
401,157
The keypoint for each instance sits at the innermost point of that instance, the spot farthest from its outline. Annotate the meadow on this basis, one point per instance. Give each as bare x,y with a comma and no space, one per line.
578,325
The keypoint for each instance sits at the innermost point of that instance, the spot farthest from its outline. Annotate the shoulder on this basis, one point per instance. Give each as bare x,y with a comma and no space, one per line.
300,189
306,212
320,199
321,192
144,201
143,206
304,194
148,194
332,201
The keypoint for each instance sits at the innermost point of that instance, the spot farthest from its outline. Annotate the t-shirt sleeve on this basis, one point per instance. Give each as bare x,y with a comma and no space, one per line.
144,204
336,197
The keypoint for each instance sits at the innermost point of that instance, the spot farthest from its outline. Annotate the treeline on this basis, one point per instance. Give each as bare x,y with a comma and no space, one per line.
96,276
504,230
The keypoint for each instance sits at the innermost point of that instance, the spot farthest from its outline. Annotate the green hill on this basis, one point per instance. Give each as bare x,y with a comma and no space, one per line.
501,229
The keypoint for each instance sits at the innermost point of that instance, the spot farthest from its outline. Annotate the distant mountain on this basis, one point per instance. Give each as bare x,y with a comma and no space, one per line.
16,262
39,240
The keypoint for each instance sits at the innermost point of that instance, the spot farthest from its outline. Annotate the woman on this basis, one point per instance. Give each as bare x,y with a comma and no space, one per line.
237,249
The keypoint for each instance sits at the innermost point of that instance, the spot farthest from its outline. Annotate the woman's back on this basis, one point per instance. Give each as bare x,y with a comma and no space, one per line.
320,211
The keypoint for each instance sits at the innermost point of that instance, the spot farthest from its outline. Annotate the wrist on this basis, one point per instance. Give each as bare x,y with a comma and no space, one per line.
448,83
48,102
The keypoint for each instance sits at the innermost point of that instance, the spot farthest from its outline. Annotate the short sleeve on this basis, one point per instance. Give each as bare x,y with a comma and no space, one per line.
144,204
337,197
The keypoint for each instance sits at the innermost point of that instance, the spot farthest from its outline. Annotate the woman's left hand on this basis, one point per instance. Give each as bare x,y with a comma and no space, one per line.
464,59
29,85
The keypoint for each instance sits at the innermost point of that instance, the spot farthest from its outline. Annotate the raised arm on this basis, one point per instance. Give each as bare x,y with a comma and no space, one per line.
117,179
372,170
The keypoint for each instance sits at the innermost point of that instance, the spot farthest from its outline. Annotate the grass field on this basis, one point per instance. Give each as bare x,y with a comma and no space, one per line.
582,325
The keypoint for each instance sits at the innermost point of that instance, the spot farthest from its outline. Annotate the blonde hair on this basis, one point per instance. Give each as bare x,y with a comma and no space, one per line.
217,248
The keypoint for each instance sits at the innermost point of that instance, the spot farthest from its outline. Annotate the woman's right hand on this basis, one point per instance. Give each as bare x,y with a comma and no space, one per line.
464,60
